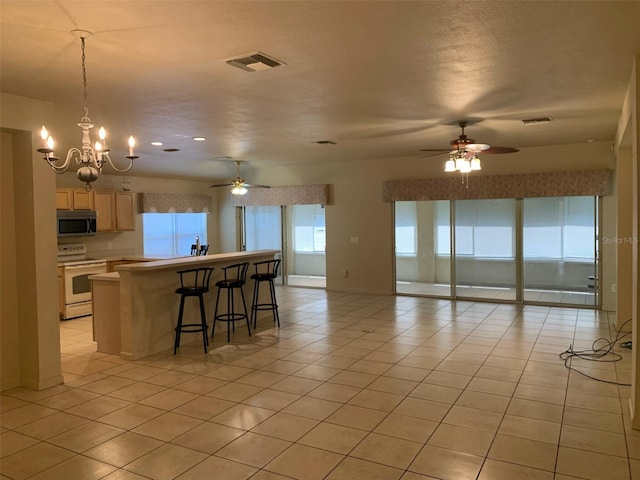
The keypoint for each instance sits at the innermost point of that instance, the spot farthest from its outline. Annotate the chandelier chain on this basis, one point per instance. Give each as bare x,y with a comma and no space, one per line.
84,85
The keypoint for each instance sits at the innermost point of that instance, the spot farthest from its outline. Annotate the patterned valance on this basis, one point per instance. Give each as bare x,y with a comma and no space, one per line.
294,195
552,184
174,203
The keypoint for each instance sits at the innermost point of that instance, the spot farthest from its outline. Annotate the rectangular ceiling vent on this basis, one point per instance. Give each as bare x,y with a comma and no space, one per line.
537,121
254,62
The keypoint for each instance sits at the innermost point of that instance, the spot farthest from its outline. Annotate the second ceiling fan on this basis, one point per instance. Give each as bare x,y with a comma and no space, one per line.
238,185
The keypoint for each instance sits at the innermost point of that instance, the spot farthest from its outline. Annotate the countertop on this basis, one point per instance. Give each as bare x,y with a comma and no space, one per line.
195,261
109,277
134,257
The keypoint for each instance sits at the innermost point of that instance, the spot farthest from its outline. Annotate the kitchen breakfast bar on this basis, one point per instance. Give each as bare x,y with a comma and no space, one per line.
136,308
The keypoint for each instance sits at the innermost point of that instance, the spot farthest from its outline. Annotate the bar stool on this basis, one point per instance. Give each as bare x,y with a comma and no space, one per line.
235,277
193,283
266,271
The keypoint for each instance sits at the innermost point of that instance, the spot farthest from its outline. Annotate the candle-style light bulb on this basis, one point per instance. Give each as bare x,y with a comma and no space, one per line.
43,133
98,146
132,143
50,142
102,133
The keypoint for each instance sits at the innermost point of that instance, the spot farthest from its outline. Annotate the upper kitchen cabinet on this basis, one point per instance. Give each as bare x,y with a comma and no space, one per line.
74,199
105,204
125,211
115,211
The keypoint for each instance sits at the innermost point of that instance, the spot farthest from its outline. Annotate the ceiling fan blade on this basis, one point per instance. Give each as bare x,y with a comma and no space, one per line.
477,147
251,185
496,150
221,185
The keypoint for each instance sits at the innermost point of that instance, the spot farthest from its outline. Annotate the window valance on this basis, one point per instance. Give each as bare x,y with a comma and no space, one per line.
551,184
174,203
292,195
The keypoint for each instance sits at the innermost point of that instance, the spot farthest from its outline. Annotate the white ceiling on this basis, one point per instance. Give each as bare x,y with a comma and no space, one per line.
382,79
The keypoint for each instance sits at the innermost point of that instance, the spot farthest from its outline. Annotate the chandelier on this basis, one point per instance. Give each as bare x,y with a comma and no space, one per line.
89,159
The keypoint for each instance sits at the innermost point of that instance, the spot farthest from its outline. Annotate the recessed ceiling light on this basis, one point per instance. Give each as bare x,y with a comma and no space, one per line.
156,144
199,139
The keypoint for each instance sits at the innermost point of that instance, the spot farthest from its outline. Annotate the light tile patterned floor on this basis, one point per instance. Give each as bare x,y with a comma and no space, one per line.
350,387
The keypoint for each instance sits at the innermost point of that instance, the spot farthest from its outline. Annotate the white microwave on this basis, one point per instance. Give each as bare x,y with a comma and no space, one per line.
76,223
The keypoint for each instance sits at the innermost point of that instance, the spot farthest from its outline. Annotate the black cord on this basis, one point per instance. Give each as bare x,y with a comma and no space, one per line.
597,354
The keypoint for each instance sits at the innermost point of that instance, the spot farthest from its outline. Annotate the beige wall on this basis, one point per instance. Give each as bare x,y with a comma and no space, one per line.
29,323
627,138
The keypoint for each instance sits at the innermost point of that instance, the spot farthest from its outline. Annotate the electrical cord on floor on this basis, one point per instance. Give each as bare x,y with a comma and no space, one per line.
603,353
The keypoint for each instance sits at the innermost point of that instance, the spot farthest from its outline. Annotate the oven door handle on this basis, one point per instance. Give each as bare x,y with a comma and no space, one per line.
85,266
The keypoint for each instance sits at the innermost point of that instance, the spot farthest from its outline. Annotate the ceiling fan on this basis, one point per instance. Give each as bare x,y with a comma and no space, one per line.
238,185
464,152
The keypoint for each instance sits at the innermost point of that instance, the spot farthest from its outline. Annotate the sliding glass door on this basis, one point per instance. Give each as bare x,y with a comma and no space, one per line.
560,250
301,241
534,250
422,246
262,228
306,239
485,249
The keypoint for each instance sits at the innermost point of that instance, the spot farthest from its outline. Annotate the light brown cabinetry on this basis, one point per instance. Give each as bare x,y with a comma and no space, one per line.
105,208
64,199
115,211
73,199
82,200
60,291
125,211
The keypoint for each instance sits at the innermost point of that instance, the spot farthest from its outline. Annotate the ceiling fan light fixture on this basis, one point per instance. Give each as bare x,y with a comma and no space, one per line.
465,166
475,162
239,190
450,165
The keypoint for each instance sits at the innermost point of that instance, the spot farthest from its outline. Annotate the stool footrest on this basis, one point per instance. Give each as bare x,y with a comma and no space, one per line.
264,306
192,328
230,317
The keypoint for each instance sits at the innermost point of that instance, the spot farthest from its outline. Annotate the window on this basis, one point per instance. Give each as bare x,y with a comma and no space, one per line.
484,229
262,227
559,227
309,231
173,233
406,228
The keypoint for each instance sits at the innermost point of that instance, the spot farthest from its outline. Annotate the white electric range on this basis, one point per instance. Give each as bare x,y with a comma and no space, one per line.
77,287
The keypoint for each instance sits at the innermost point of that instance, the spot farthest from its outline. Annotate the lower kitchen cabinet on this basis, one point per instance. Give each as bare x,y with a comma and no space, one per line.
60,291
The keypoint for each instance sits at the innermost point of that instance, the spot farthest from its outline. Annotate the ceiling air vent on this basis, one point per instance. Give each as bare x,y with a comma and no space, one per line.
254,62
537,121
